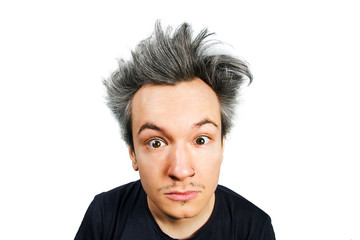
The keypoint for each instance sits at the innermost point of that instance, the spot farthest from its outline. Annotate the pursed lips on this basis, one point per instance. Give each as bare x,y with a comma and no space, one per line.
182,196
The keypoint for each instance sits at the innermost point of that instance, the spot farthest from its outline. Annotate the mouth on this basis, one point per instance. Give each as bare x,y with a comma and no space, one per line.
182,196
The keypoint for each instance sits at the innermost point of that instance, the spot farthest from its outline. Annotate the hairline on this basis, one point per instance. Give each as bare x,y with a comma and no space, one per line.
188,58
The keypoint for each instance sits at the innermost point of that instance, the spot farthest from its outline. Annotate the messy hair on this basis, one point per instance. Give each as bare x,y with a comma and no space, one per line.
169,57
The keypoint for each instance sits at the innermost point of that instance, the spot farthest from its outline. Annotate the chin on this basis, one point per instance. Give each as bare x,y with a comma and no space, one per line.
183,210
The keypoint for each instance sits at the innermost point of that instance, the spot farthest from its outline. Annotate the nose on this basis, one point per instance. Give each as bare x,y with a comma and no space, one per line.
180,163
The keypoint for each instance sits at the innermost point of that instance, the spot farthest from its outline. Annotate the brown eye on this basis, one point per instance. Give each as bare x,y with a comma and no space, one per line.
202,140
156,143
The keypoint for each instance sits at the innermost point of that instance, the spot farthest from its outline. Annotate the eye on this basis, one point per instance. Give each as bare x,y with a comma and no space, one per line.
201,140
156,143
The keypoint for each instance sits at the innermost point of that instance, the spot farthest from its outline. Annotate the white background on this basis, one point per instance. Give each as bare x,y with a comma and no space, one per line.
294,149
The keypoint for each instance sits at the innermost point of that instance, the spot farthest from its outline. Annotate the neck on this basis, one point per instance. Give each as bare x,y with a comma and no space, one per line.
181,228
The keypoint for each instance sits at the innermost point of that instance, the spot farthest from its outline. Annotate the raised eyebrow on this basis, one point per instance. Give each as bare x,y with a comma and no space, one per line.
205,121
150,126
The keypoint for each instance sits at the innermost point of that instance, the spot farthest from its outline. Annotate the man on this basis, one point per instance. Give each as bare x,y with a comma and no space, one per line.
174,101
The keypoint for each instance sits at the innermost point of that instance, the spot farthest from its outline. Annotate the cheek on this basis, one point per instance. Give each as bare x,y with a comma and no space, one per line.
152,171
151,166
208,164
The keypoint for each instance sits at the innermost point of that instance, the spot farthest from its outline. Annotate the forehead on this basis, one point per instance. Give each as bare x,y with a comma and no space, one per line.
185,103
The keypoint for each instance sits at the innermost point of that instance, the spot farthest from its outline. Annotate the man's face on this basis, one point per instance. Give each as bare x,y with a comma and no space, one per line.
178,147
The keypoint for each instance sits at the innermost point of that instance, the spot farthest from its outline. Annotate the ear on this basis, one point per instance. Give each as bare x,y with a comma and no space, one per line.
133,159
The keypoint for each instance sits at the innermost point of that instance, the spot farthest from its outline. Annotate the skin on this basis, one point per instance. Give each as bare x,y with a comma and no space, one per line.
178,153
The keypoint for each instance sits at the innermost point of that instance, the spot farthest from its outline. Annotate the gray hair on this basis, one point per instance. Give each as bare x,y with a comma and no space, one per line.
167,58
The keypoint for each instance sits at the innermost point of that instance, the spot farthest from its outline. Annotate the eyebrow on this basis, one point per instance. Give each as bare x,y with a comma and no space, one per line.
205,121
152,126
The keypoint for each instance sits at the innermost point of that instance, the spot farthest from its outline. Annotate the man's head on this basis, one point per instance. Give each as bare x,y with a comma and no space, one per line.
178,146
167,58
174,100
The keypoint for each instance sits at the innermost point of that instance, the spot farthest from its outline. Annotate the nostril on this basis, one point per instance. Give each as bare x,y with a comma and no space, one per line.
180,175
174,178
193,172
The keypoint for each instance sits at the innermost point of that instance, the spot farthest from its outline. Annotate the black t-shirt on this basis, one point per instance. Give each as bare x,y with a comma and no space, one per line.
123,214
